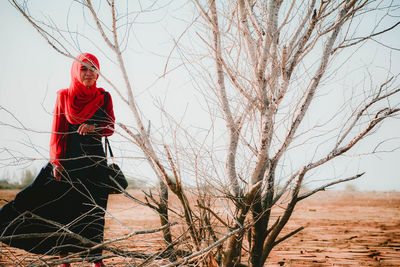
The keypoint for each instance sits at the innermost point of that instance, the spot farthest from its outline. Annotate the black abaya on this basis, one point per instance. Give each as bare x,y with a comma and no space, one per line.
62,216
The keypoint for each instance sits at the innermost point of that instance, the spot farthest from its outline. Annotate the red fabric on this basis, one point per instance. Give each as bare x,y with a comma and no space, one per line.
75,105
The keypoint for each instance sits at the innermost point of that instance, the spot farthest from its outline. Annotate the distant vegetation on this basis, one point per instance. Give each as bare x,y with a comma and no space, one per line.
27,178
350,187
8,181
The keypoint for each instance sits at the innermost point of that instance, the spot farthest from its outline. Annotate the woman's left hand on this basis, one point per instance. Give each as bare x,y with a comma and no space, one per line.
86,128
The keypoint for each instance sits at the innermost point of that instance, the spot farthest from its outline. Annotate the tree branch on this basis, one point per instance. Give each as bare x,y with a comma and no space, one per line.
322,188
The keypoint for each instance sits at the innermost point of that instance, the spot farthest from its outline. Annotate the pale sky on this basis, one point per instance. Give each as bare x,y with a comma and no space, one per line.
32,72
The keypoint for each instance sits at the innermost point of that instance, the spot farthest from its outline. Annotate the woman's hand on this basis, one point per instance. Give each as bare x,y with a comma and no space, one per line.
57,172
86,128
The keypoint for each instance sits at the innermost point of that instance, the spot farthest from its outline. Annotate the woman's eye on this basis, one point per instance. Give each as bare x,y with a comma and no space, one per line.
83,68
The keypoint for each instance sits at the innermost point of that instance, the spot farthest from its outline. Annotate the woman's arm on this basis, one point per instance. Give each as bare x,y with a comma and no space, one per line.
58,135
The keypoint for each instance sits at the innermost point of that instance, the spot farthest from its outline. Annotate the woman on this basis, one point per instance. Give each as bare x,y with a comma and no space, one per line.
63,209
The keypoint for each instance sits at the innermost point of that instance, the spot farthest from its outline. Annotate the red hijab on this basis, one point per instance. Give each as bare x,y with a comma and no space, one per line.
75,105
81,101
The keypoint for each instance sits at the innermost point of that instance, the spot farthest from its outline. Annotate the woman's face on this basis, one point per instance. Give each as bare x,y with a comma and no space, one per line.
88,75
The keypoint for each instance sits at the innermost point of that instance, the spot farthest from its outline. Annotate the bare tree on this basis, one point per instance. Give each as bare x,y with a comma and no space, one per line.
261,66
271,59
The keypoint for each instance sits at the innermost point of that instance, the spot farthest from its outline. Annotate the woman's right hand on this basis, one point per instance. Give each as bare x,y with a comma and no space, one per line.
84,129
57,171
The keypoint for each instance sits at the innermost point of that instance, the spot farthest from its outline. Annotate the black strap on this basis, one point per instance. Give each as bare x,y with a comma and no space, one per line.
107,145
106,142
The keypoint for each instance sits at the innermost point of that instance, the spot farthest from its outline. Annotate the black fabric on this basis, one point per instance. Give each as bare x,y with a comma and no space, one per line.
67,215
117,179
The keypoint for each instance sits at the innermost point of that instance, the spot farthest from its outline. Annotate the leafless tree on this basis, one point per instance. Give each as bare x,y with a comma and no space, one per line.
271,59
261,66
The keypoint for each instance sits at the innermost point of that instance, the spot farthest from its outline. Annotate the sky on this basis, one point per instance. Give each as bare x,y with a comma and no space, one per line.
32,72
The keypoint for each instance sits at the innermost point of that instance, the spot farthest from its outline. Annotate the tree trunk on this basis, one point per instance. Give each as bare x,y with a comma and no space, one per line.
258,232
163,213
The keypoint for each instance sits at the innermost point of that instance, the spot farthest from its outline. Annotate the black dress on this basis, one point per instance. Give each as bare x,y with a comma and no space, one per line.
57,217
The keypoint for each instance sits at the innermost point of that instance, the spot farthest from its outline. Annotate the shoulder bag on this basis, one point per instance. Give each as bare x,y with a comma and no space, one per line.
116,181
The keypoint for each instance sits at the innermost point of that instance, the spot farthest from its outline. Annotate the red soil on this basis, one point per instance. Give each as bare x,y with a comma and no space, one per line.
342,229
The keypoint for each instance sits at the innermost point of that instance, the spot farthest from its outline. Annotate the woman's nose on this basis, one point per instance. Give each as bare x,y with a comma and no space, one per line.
91,71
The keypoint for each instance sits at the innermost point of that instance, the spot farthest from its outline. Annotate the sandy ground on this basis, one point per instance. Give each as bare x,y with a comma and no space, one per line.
342,229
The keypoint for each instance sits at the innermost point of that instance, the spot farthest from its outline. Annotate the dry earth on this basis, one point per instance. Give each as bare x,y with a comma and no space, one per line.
342,229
